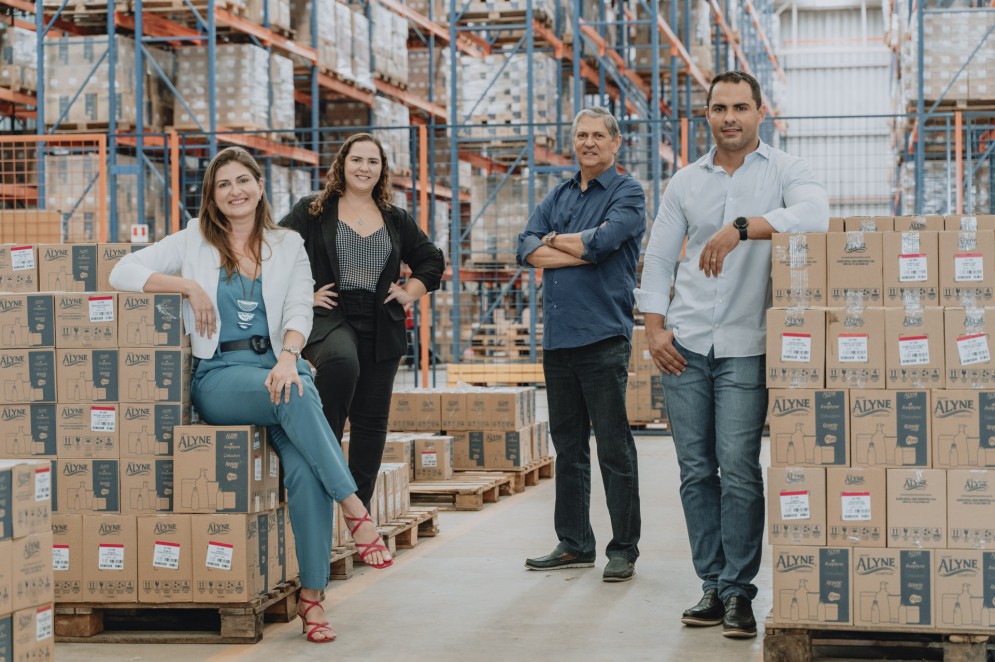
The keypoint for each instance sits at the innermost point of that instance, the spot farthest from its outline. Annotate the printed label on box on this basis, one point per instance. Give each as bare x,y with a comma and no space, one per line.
852,347
973,349
796,347
21,258
856,506
44,623
274,465
258,468
968,267
794,505
43,484
110,557
429,459
219,555
166,555
910,242
913,350
101,309
912,268
103,419
60,558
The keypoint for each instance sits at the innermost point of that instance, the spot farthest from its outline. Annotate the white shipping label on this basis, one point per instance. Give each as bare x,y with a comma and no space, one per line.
852,347
219,555
43,484
103,419
856,506
913,350
910,242
22,257
44,623
166,555
794,505
101,309
796,347
969,267
912,268
274,465
973,349
258,468
429,459
60,558
110,557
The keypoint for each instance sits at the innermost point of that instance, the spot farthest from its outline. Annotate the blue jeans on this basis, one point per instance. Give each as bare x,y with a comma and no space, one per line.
717,409
585,386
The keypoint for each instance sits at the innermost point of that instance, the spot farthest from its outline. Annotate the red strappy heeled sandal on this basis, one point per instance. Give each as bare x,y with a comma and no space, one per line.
367,548
316,628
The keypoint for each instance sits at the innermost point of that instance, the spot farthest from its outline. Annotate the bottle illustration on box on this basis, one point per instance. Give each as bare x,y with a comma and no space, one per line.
966,609
883,602
801,596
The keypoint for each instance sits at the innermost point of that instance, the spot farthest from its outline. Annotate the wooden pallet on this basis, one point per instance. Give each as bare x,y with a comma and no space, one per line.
396,82
176,623
528,476
400,533
650,426
798,643
495,374
462,493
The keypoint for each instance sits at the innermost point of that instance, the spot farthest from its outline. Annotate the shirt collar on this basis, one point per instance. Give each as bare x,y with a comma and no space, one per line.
708,162
604,179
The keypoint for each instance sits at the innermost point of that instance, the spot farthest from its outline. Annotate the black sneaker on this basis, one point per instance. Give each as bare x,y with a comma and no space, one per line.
619,569
708,611
739,622
559,559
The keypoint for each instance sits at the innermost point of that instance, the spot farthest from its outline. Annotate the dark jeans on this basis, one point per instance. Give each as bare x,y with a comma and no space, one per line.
354,385
585,386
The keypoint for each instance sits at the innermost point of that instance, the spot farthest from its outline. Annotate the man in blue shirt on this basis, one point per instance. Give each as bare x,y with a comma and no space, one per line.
585,234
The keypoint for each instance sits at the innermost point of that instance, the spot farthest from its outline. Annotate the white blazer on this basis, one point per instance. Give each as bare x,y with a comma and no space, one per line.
288,289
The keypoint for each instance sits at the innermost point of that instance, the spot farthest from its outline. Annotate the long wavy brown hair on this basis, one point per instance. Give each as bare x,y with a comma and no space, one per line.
213,224
383,194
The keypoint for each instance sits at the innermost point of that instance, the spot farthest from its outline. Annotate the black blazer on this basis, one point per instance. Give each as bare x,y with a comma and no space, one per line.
408,244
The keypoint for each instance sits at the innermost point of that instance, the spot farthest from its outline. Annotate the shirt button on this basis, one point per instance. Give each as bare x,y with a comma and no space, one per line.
555,306
556,282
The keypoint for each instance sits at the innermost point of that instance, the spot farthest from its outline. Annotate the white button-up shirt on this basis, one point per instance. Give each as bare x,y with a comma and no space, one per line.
727,313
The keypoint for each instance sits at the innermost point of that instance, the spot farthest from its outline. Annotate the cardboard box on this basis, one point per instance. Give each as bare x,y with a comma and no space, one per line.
276,545
291,568
110,558
796,348
856,501
433,457
34,634
854,263
401,451
219,469
869,223
836,224
18,268
963,429
510,408
967,266
890,428
917,508
165,558
88,486
929,222
468,449
958,222
147,485
25,497
915,356
962,589
7,637
969,348
146,428
453,407
225,557
88,375
855,355
477,410
88,431
155,374
798,269
416,410
85,320
812,585
31,571
28,430
796,505
809,427
507,450
271,489
108,255
6,579
67,267
970,509
27,321
151,320
67,557
893,588
28,375
911,264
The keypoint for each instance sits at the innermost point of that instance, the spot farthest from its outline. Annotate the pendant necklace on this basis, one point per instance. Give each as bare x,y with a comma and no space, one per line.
359,218
246,305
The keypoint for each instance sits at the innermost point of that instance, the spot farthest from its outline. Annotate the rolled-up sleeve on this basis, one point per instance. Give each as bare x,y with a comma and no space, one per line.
298,314
624,219
662,253
806,203
134,269
537,228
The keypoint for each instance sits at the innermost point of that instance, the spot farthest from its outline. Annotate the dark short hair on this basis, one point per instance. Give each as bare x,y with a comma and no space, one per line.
736,77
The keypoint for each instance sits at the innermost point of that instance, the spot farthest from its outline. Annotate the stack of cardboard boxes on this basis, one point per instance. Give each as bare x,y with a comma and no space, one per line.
645,401
881,490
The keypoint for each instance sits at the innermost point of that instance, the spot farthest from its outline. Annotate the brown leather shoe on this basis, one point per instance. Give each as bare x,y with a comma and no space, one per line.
708,611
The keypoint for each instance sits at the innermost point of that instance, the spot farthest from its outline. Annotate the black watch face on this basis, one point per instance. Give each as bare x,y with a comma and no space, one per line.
740,222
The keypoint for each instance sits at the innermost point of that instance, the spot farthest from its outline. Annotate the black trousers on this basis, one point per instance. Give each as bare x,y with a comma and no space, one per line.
354,385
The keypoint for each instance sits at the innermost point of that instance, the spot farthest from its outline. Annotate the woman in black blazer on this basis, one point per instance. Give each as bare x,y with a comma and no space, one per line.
356,240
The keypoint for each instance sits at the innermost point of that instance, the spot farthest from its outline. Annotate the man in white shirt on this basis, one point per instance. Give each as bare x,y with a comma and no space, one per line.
709,341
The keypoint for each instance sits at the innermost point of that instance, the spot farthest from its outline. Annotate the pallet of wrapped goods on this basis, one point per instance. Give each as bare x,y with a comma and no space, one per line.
500,205
950,39
325,14
390,49
507,11
18,59
275,12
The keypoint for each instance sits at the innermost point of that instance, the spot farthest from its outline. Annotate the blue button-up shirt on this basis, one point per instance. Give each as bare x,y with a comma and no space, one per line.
590,302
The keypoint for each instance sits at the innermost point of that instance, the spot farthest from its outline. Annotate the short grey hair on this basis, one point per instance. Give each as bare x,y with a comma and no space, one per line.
598,112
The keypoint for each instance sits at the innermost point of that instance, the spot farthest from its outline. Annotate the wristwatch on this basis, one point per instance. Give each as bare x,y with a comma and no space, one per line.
741,224
548,239
292,349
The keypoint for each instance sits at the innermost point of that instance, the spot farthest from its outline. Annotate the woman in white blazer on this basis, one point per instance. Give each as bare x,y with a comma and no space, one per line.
248,290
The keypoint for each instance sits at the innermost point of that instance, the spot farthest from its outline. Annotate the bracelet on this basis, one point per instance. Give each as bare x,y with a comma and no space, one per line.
292,349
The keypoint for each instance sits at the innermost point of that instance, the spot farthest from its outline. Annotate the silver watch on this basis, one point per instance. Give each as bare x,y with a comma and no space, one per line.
293,349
